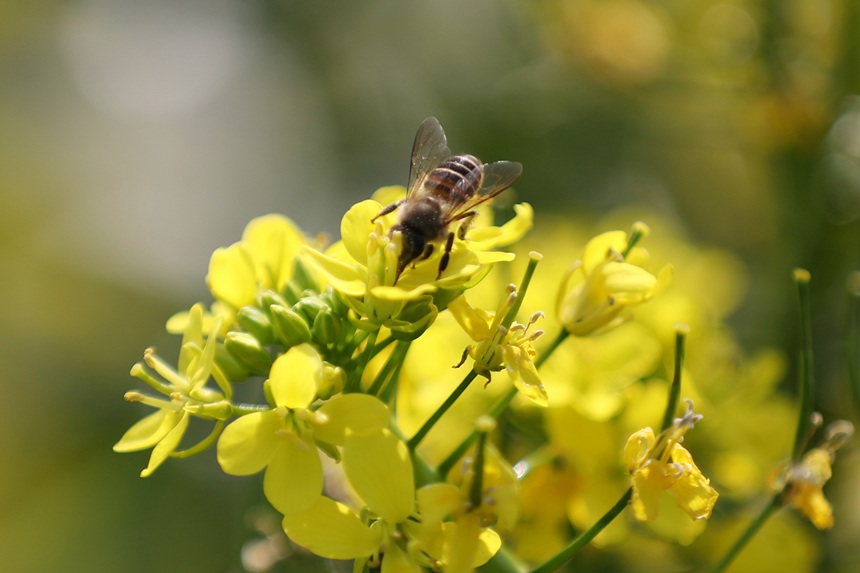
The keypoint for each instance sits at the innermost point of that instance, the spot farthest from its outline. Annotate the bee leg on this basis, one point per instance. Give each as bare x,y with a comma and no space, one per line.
388,209
443,263
467,219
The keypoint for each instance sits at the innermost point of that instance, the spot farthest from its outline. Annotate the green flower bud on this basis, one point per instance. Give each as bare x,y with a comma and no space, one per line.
310,307
248,351
414,319
233,370
290,328
270,297
257,323
291,293
327,328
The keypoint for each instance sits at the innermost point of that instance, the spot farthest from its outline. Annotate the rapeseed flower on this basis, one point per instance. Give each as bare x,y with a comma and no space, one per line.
188,395
501,346
284,439
802,482
660,463
363,265
607,279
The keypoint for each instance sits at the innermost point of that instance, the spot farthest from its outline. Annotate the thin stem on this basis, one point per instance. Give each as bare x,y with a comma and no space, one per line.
476,491
681,332
495,411
396,359
747,535
806,382
851,340
563,556
355,381
420,434
204,444
534,259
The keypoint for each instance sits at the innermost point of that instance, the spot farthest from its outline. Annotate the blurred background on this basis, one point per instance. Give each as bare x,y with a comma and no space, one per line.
137,137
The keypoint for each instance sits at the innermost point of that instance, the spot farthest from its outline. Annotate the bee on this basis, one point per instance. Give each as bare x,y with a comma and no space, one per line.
443,189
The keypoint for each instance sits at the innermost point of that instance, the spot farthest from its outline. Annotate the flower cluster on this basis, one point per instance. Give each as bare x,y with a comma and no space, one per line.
374,449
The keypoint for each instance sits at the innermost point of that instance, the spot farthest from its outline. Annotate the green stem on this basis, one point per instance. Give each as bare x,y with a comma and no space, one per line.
534,259
753,528
495,411
203,444
393,363
563,556
675,388
806,382
354,383
476,491
420,434
851,341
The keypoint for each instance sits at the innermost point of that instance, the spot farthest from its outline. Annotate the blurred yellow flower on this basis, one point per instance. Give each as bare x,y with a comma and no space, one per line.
647,458
802,483
608,278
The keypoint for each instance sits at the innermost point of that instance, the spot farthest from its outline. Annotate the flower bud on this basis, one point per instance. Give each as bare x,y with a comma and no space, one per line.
269,297
290,328
257,323
414,319
248,351
310,307
332,382
326,327
233,369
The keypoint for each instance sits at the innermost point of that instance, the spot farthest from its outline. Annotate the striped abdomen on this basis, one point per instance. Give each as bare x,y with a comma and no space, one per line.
456,180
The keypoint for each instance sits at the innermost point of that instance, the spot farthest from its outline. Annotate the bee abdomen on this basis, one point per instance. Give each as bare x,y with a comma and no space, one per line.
457,179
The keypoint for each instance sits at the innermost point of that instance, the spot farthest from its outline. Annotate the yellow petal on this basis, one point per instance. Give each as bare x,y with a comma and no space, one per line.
295,377
355,229
343,277
628,284
693,490
353,412
437,501
396,560
273,242
396,294
468,545
378,466
294,476
485,238
232,277
475,322
147,432
329,529
598,248
524,374
638,448
649,483
247,444
167,445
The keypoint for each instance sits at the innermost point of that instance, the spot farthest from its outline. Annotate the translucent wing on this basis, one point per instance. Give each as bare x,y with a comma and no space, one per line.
497,177
429,150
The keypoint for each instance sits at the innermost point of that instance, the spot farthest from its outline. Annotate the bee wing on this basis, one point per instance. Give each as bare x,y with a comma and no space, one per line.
497,177
429,150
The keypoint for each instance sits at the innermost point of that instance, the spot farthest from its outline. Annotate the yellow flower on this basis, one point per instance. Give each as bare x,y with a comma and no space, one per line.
502,346
263,259
186,388
284,440
378,467
660,463
802,483
606,280
363,265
